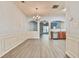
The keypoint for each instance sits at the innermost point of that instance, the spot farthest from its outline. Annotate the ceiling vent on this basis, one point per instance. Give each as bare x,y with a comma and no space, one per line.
22,1
55,6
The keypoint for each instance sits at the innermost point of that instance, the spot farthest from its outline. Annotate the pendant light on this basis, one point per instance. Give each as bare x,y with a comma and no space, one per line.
36,17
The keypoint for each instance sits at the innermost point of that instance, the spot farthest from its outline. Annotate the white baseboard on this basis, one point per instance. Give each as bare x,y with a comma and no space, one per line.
70,55
12,47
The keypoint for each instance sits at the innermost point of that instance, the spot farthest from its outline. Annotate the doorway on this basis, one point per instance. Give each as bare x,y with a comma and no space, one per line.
44,29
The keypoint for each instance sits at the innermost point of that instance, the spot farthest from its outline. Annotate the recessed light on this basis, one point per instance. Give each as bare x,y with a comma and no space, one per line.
64,9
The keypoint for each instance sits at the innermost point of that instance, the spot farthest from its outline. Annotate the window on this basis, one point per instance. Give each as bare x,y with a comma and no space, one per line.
33,26
56,24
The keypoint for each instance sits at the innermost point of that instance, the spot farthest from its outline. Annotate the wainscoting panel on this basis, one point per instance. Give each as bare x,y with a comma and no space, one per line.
72,47
10,41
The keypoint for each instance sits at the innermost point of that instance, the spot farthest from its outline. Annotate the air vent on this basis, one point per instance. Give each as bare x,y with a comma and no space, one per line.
22,1
55,6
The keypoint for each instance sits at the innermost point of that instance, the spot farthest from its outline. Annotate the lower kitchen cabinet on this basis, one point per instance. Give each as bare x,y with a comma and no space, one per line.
58,35
51,35
55,35
62,35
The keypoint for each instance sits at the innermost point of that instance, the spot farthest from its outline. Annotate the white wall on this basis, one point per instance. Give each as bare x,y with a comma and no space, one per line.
73,12
12,27
52,18
31,34
11,19
72,42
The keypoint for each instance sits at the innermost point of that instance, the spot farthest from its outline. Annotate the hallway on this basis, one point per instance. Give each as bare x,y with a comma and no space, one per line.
37,49
39,29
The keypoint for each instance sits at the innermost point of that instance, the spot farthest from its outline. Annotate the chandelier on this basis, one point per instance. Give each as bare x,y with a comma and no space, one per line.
36,17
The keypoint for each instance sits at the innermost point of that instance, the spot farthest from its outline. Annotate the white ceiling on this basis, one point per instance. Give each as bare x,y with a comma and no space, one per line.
44,8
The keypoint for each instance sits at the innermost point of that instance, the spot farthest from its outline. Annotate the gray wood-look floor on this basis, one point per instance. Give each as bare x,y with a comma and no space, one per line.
38,49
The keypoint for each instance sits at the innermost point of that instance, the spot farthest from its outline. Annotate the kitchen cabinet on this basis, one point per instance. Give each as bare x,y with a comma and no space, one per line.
51,35
54,35
58,35
62,35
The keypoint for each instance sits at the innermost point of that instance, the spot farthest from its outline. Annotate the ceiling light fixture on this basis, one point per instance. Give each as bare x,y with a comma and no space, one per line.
36,17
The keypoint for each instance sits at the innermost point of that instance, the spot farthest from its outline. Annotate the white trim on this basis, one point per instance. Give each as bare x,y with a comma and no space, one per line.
12,47
70,55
